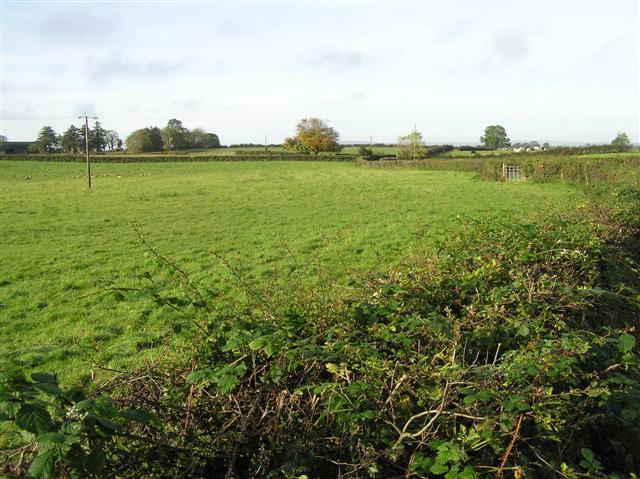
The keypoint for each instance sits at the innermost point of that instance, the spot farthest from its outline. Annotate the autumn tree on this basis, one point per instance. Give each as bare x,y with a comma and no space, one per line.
313,135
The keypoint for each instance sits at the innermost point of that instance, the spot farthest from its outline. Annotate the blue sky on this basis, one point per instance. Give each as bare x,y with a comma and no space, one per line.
547,71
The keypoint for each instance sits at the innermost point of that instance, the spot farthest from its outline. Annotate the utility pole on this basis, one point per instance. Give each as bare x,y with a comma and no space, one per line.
86,144
265,143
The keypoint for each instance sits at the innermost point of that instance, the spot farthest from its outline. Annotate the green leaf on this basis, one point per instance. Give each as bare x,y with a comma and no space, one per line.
226,383
470,399
515,403
626,343
44,465
523,330
33,418
50,440
256,344
484,396
438,468
587,454
49,388
269,349
137,415
107,424
467,473
95,461
332,368
44,378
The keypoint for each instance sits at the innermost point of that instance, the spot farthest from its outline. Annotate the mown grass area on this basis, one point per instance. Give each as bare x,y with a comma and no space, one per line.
62,246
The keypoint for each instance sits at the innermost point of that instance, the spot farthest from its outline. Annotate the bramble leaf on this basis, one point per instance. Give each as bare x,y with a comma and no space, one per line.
626,343
33,418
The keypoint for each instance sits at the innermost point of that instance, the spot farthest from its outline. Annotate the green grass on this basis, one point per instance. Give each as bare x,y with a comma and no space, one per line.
62,245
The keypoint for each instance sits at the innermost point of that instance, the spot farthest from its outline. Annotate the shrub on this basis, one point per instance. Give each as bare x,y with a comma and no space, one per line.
365,152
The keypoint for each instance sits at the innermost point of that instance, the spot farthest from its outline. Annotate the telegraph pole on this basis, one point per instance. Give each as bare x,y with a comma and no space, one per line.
86,144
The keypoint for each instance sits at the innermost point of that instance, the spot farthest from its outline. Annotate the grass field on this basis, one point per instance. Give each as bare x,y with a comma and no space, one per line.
62,245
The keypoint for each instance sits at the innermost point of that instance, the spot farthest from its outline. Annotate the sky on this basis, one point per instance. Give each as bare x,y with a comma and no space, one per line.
552,71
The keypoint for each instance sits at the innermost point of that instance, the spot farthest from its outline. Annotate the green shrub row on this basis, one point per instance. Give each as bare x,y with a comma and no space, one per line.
453,164
535,167
575,170
274,156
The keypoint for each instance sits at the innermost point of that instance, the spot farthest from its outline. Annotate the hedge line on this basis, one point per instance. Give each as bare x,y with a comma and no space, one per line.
538,168
180,158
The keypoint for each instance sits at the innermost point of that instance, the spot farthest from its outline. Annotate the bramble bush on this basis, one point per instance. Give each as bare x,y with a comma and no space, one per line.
511,353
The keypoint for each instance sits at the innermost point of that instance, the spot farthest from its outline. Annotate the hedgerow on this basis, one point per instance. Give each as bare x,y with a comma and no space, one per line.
536,167
511,353
146,158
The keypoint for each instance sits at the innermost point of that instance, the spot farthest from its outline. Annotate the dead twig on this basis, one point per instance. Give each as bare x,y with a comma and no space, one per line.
514,438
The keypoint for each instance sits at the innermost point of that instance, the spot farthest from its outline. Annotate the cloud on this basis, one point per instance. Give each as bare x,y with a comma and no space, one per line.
331,59
117,66
76,25
508,48
355,96
454,31
612,49
88,109
503,50
189,104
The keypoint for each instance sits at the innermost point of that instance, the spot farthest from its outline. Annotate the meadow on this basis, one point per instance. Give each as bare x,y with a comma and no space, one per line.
63,246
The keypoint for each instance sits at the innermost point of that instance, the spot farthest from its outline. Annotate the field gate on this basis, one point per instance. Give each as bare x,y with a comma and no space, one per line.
512,173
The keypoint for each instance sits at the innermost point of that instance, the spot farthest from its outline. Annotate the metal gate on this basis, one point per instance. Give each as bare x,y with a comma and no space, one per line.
512,173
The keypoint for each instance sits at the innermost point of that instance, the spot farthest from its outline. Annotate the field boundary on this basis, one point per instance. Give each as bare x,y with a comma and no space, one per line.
180,158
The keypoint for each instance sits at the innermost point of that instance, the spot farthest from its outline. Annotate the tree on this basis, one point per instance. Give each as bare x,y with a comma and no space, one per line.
48,140
175,136
145,140
97,138
495,136
291,144
3,141
113,141
202,139
314,135
621,142
411,146
72,140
